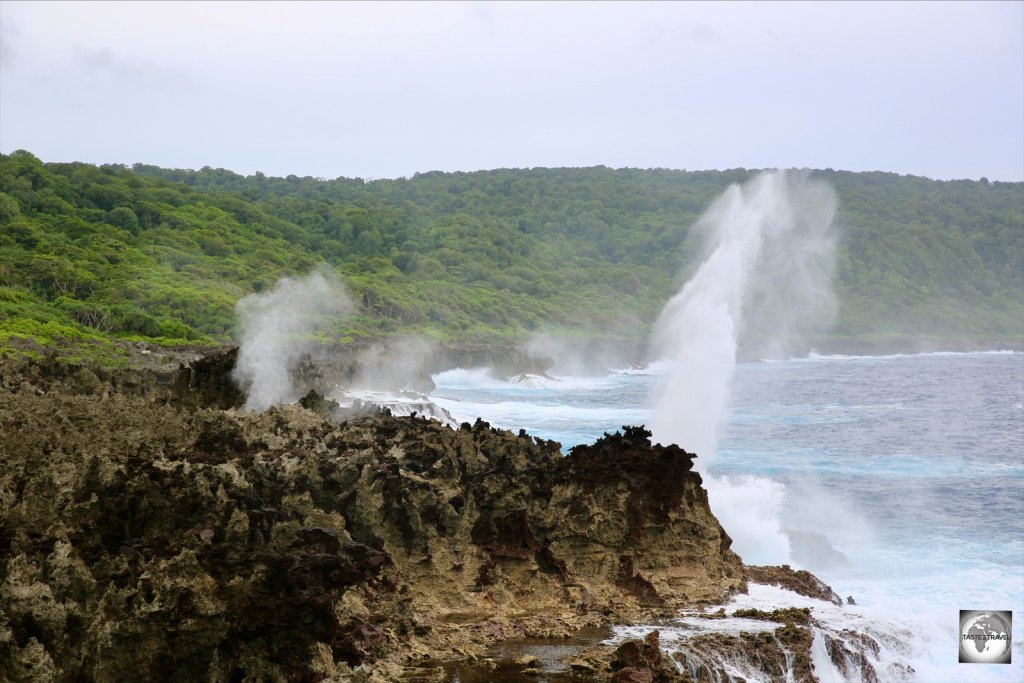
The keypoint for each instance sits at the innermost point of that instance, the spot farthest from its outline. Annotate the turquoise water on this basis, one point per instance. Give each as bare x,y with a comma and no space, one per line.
912,466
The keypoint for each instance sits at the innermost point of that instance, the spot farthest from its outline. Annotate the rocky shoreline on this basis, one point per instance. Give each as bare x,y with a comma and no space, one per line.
151,530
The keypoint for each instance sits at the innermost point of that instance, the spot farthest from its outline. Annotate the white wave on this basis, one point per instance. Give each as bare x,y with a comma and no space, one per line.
750,508
913,612
813,356
680,629
483,380
468,378
655,368
530,416
400,404
529,380
913,645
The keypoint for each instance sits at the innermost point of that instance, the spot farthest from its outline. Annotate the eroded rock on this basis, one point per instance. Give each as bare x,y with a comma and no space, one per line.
149,530
797,580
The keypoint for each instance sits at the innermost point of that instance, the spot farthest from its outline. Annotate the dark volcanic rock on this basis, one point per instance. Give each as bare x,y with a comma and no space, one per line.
207,383
148,531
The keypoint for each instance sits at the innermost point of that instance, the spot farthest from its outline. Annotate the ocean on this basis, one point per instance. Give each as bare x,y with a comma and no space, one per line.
898,480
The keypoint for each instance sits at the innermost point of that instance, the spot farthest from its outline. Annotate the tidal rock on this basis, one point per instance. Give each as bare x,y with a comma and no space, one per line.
641,661
797,580
779,655
639,654
852,653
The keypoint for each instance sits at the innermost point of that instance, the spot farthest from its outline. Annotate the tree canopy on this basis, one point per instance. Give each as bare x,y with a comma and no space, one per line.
93,253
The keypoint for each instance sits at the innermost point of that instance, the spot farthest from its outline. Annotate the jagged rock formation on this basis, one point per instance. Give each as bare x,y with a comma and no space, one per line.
637,517
148,530
797,580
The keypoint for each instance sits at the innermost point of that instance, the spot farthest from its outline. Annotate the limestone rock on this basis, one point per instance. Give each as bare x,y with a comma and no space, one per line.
797,580
149,531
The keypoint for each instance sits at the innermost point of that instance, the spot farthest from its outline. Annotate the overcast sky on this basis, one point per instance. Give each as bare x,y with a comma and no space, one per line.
381,90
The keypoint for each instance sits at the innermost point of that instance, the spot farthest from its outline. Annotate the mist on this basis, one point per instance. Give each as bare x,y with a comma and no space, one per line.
277,329
764,284
583,356
396,365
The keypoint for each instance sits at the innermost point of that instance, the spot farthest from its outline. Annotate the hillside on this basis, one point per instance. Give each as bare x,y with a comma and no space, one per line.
94,254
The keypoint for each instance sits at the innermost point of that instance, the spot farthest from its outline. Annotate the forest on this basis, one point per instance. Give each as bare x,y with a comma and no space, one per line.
95,255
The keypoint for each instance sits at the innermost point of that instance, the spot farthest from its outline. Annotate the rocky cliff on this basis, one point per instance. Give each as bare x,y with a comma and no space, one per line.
149,530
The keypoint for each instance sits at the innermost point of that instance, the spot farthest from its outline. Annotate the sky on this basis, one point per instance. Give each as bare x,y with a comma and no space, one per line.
389,89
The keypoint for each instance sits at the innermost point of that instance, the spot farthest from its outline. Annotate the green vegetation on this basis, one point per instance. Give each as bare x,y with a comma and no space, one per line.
92,255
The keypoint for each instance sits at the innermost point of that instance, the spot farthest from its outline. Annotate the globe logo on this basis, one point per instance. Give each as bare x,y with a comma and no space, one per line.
985,637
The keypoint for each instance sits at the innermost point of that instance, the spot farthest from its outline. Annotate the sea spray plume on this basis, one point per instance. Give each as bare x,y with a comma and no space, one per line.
766,274
274,331
768,259
789,298
825,518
